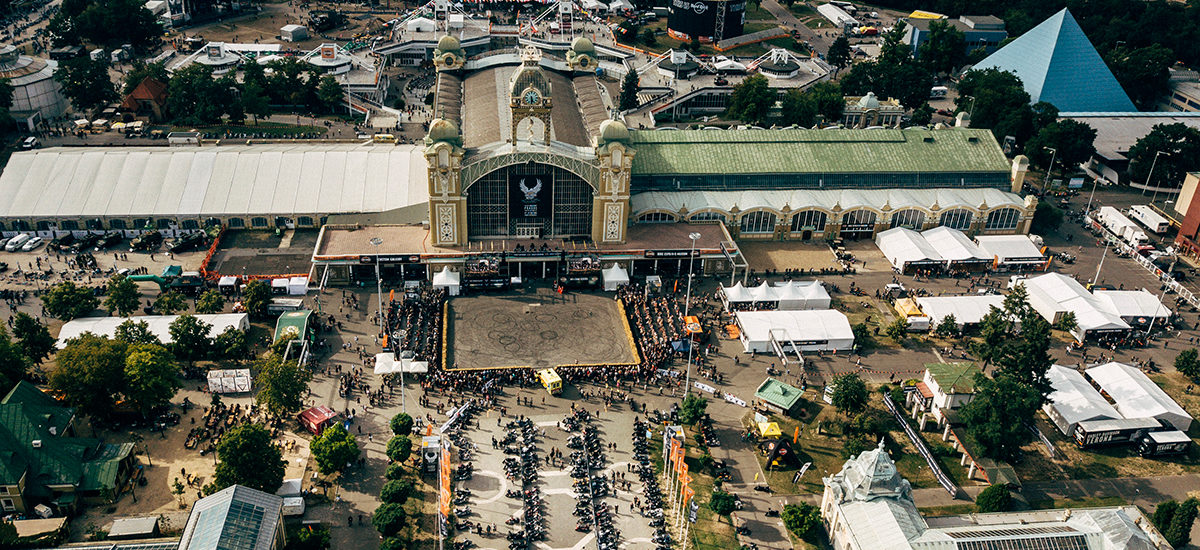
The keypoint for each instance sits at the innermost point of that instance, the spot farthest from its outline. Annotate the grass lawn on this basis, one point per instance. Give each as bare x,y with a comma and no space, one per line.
951,510
710,532
800,9
751,28
817,23
758,13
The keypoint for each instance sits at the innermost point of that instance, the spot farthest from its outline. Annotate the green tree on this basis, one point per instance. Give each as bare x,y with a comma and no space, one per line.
1026,357
211,301
1067,322
839,52
394,471
394,543
135,332
995,498
151,377
334,449
849,394
948,327
231,344
86,83
803,520
399,448
256,297
107,23
141,71
898,330
1188,364
401,424
945,50
67,301
693,408
1142,72
389,519
6,99
629,89
254,100
1180,147
751,100
8,535
1071,140
907,82
997,417
249,457
89,373
922,115
189,337
722,503
821,101
170,303
397,491
123,298
330,94
195,97
997,100
1046,218
32,337
1179,533
13,364
863,339
993,329
308,537
649,37
281,385
1163,513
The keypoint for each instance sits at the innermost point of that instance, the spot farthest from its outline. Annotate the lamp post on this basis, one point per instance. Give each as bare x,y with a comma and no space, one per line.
687,307
1151,174
378,284
1095,182
1046,181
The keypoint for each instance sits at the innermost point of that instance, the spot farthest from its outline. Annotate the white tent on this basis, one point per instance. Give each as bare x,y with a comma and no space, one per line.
1136,396
1054,294
763,293
160,325
1011,250
810,330
280,285
906,248
1133,306
955,246
967,310
619,5
592,5
723,63
447,279
298,286
386,363
1074,400
229,380
793,295
227,282
454,21
421,24
614,277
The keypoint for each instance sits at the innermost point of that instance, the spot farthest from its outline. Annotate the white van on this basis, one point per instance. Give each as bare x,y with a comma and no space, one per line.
15,243
30,143
938,92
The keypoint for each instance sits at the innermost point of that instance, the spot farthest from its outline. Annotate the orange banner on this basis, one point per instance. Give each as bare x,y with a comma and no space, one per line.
392,295
688,493
683,471
685,479
796,435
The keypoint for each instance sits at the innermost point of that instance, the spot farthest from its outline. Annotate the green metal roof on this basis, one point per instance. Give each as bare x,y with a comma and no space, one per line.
292,324
778,393
880,151
954,377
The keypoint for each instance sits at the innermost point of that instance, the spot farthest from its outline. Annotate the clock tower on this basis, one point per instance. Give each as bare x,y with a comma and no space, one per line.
529,95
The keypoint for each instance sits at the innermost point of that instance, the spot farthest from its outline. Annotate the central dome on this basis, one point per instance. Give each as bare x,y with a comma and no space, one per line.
448,43
443,130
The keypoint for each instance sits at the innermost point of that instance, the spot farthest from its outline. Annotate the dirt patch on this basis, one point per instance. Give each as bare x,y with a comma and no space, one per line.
780,256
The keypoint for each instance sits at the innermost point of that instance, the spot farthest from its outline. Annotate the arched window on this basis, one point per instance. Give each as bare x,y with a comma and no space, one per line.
1003,218
20,225
859,220
304,221
140,223
258,222
324,220
707,216
759,221
656,217
910,218
163,223
95,224
237,222
68,225
117,224
810,220
191,224
959,218
2,226
44,225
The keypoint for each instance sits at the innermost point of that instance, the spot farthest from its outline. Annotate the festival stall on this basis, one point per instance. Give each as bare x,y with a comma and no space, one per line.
447,279
614,277
317,418
224,381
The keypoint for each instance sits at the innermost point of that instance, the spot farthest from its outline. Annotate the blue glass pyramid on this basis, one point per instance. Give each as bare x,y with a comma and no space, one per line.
1058,64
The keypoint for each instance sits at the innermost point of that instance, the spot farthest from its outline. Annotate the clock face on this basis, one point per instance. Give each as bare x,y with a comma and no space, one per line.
532,98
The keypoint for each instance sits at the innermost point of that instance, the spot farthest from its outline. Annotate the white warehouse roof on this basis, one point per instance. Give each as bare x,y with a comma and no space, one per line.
1136,396
1074,400
967,310
159,325
221,181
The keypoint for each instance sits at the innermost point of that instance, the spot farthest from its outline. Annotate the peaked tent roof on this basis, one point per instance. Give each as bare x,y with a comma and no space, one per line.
1058,64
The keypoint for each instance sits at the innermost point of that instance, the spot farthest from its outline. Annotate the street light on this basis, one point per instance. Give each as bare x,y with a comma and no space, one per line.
378,284
1046,181
1151,174
687,306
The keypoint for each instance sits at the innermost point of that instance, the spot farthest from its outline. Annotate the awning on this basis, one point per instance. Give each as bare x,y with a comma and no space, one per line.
229,381
769,429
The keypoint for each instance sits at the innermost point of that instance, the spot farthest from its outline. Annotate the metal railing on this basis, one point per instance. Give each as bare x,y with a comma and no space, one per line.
919,442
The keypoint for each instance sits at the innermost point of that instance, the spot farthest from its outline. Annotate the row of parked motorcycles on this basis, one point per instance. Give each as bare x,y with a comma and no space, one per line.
587,455
520,440
651,492
463,472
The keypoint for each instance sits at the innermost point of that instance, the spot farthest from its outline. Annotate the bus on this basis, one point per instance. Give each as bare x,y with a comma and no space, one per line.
550,380
938,92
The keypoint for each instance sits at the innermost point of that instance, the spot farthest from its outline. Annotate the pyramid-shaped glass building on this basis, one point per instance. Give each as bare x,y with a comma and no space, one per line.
1058,64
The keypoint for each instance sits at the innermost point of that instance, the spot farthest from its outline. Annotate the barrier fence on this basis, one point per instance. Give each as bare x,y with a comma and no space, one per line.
919,443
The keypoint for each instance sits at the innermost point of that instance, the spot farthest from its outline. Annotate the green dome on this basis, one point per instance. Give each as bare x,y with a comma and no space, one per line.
448,43
443,130
613,130
582,45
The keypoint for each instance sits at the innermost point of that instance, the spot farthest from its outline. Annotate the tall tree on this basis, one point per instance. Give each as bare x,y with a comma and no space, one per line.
1180,147
13,363
1142,72
821,101
1188,363
86,83
849,394
90,373
256,297
6,97
123,298
249,457
170,302
334,449
254,101
232,344
994,331
945,50
141,71
1072,142
67,301
194,97
211,301
33,337
629,89
751,100
998,415
135,332
105,22
189,338
151,376
281,385
996,100
839,52
330,94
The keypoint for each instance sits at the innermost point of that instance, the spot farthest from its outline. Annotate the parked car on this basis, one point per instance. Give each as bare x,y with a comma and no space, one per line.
32,244
14,244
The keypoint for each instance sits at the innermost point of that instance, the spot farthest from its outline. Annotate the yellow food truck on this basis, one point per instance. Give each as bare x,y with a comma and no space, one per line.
550,380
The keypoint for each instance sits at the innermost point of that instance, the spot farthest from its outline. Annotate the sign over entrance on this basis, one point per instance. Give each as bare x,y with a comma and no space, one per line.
530,196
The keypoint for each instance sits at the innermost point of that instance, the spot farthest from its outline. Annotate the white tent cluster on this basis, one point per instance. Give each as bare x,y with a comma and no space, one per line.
786,296
386,363
229,380
1052,295
939,247
1079,409
160,325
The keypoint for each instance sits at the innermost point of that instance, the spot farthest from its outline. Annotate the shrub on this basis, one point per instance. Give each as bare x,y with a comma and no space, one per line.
995,498
389,519
803,520
722,503
396,491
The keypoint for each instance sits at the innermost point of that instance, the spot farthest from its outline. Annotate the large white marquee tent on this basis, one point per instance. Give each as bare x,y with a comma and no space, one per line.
967,309
1074,400
809,330
1135,395
160,325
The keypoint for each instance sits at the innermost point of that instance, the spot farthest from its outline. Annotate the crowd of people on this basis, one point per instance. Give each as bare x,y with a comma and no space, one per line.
418,318
656,321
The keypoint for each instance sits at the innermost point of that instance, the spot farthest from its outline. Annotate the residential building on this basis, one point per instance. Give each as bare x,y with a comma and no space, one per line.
945,387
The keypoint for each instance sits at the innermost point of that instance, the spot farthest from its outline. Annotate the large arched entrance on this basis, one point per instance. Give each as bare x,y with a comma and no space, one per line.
529,200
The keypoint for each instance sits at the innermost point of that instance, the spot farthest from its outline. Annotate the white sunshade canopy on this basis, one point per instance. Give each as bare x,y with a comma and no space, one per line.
446,278
967,310
1136,396
903,246
614,277
229,380
1074,400
1010,248
386,363
802,295
160,325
